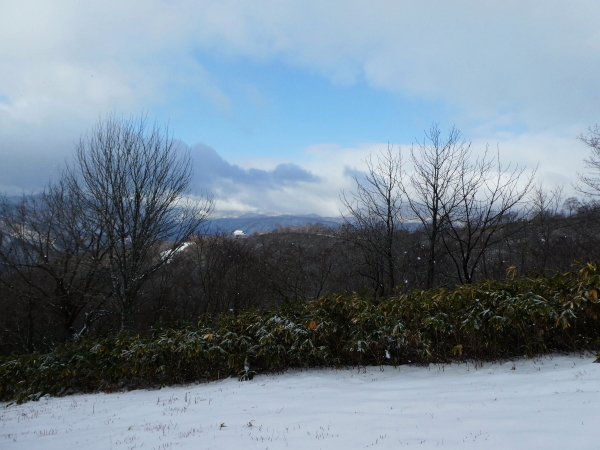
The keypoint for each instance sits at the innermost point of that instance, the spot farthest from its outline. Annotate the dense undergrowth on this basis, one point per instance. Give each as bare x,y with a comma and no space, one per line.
490,320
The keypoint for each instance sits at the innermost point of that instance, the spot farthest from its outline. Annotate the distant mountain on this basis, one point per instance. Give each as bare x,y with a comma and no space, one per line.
252,216
252,222
249,223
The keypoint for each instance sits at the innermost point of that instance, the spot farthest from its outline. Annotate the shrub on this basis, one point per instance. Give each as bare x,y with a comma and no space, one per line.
486,321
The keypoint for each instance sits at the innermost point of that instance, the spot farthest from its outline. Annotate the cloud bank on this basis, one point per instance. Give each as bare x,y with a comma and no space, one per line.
523,75
533,63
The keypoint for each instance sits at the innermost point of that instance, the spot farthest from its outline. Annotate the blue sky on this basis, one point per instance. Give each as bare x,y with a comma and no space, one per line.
275,110
298,92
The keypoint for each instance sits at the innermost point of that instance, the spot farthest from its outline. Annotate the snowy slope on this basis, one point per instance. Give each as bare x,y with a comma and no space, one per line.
548,403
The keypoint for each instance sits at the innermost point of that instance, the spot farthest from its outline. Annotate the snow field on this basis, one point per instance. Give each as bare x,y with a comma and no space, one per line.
547,403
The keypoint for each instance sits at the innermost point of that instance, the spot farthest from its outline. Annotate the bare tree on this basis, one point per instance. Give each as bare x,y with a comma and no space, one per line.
374,216
134,180
432,193
591,183
571,205
491,202
53,250
299,265
544,222
216,274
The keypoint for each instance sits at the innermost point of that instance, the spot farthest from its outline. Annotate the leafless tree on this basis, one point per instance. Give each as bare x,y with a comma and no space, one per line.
544,222
299,264
591,183
491,201
133,179
220,274
432,192
374,214
571,205
53,250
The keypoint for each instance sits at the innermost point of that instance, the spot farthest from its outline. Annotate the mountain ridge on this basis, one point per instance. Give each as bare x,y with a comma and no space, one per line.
252,222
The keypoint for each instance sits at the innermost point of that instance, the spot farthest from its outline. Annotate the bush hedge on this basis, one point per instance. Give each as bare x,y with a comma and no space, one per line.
490,320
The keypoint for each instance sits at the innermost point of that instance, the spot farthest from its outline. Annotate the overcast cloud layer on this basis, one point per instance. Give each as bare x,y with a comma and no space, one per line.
523,75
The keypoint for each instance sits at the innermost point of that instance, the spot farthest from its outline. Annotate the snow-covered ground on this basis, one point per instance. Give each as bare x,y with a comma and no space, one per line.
548,403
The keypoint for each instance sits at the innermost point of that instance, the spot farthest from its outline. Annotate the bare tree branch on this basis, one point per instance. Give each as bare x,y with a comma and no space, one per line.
432,193
374,216
134,180
591,183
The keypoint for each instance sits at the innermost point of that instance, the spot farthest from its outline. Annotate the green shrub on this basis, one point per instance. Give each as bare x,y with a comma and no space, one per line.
486,321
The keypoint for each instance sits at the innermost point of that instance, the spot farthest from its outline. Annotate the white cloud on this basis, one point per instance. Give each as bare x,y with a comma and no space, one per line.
499,64
537,60
557,159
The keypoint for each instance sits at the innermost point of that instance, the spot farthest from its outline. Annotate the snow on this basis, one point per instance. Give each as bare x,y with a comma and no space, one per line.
547,403
168,254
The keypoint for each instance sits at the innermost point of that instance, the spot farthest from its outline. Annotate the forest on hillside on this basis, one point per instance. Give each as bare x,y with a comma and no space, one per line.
112,246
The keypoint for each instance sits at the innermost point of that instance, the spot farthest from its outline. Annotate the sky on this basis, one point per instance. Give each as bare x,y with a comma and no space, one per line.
548,403
281,101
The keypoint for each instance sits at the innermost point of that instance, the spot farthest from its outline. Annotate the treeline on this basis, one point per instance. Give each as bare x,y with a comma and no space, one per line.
113,246
50,296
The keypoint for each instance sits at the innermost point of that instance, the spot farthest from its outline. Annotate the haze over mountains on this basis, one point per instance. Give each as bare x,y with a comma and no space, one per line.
249,222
